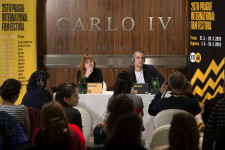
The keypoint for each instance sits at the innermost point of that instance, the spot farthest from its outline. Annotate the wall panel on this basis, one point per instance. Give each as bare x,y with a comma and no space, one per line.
74,41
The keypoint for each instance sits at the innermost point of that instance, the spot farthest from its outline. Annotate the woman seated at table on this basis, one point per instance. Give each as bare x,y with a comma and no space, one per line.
124,85
89,71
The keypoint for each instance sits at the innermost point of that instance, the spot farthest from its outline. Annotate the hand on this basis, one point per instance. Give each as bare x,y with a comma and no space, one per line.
88,71
188,88
164,87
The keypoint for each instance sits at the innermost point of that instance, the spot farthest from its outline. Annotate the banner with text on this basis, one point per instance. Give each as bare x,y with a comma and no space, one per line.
18,41
206,48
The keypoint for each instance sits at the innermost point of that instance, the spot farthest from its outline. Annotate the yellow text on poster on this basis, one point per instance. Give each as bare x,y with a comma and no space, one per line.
18,41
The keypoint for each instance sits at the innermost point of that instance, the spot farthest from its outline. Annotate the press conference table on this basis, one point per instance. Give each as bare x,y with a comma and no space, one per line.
96,104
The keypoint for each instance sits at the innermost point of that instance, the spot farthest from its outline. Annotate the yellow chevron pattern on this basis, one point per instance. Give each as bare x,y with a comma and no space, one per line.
200,126
210,83
199,75
209,96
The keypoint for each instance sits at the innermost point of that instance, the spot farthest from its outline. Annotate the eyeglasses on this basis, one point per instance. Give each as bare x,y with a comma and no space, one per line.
88,61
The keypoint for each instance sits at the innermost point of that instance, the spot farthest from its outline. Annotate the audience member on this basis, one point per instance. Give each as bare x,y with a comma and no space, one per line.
118,105
124,85
89,71
216,119
220,136
126,133
67,96
208,105
181,96
9,92
12,136
183,134
55,132
142,73
36,95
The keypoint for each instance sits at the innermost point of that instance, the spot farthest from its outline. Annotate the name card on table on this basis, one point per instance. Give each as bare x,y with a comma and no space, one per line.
94,88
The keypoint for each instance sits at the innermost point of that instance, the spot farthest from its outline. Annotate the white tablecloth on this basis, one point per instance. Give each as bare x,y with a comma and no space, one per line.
96,104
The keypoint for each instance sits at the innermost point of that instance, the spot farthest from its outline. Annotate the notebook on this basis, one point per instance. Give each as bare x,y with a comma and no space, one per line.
141,88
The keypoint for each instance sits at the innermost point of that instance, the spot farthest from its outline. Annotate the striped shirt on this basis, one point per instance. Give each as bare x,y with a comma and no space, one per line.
20,114
217,116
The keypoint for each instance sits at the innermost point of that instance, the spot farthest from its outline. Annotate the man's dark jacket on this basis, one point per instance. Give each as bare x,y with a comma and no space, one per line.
149,72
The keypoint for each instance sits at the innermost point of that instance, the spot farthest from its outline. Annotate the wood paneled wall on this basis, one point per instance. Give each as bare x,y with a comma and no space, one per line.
172,41
155,42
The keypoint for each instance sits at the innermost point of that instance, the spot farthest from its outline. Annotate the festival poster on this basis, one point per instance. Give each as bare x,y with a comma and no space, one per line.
206,48
18,41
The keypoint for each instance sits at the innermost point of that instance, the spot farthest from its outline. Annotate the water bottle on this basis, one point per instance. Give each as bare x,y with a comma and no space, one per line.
157,85
153,86
80,86
84,85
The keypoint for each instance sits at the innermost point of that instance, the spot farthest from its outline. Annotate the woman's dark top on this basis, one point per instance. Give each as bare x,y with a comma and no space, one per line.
95,76
36,98
73,115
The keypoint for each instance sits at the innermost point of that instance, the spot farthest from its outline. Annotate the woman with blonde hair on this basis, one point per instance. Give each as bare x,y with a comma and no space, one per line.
89,71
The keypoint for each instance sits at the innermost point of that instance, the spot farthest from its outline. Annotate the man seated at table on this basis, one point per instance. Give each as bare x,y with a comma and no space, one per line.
142,73
181,96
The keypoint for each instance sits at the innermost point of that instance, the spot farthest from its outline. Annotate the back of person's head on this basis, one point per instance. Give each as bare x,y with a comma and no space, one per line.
38,79
65,89
177,81
82,63
183,133
54,123
10,90
123,84
118,105
126,133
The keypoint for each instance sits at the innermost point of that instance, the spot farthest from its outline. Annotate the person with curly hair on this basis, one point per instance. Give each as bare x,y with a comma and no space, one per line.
55,132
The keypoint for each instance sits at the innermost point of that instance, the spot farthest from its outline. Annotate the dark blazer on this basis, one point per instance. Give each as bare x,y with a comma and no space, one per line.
149,71
95,77
189,104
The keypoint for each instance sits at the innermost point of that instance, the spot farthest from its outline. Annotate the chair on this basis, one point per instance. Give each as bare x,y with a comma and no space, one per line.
87,122
160,136
34,118
165,117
